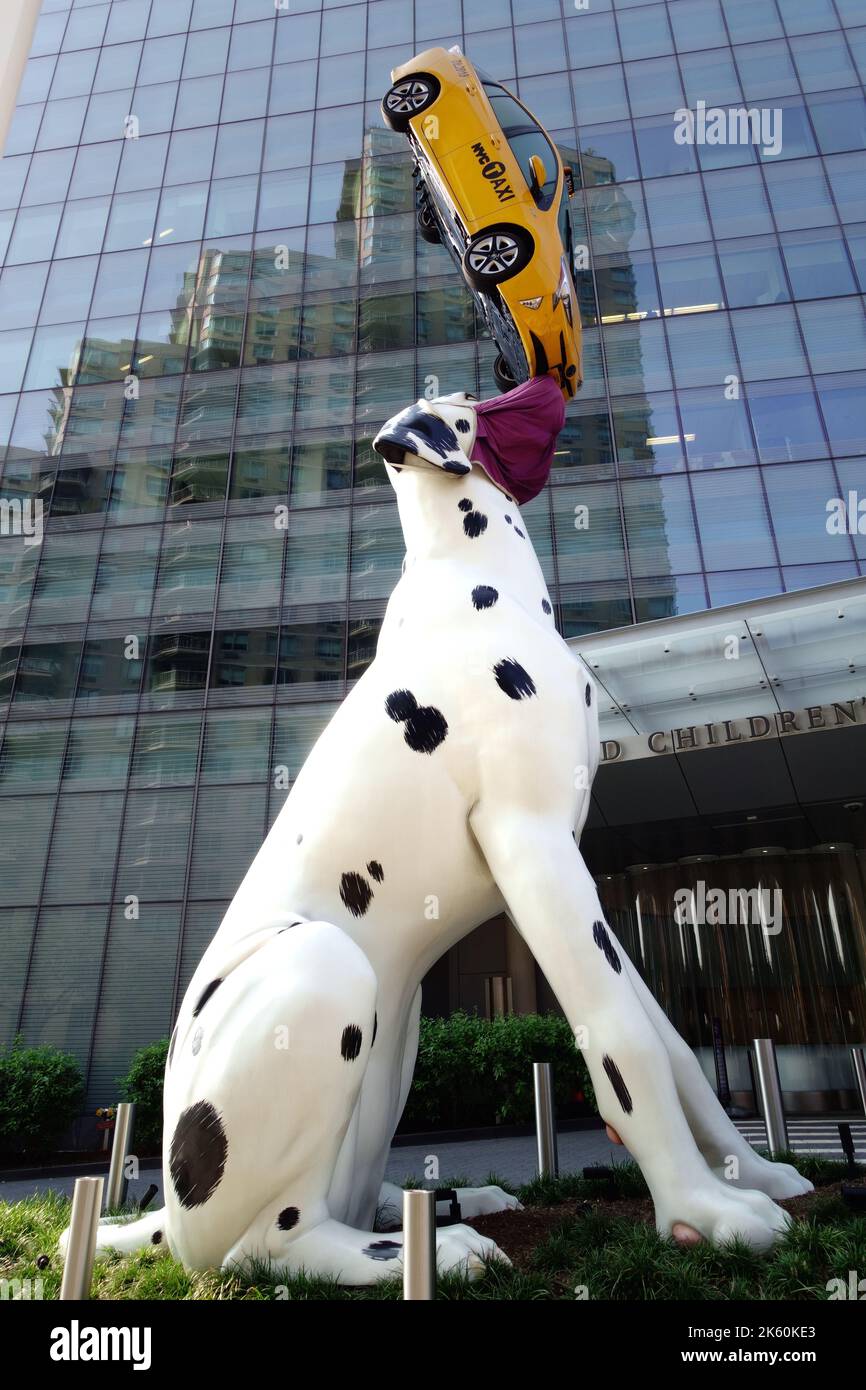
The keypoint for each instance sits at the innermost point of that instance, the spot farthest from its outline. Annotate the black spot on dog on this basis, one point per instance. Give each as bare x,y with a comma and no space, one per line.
383,1250
375,870
464,505
602,940
299,839
400,705
521,534
484,596
350,1043
474,524
545,606
508,518
196,1042
156,1238
375,1028
426,726
426,729
198,1154
462,425
288,1218
205,996
356,893
614,1076
513,679
508,497
171,1046
587,695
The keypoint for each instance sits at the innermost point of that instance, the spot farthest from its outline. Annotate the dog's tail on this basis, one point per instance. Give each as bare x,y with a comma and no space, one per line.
117,1233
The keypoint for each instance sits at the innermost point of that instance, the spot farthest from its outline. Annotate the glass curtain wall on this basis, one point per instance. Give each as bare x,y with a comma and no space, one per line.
212,294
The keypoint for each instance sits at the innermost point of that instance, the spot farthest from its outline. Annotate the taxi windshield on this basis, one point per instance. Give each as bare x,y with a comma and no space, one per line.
526,138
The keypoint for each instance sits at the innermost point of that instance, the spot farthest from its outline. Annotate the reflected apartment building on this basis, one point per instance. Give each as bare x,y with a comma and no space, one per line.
205,324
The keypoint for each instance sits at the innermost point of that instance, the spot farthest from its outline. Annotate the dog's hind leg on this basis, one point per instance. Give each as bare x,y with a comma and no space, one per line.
541,874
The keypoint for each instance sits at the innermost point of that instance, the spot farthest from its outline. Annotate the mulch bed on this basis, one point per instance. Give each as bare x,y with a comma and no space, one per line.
519,1233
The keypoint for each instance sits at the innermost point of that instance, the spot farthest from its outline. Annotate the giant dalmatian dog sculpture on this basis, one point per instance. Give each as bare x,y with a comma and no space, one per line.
442,792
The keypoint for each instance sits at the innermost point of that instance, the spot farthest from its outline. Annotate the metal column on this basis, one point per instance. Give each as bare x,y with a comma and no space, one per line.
545,1120
115,1192
81,1250
770,1094
419,1244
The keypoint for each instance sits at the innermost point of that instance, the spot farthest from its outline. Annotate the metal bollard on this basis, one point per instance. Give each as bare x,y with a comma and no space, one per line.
419,1244
858,1057
770,1092
80,1252
545,1120
115,1192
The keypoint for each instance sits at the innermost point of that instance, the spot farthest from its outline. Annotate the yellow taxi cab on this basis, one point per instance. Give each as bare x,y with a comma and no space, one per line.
492,187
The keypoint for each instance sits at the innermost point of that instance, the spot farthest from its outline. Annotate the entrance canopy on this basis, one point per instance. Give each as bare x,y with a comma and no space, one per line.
741,709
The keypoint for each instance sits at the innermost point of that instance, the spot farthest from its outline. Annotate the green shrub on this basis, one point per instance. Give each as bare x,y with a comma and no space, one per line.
476,1071
41,1093
143,1084
470,1071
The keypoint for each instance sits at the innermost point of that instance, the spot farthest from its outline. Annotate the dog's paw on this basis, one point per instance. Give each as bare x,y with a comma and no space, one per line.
711,1213
465,1251
777,1180
484,1201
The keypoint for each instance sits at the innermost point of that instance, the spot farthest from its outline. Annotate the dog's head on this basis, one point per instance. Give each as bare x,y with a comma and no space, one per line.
430,434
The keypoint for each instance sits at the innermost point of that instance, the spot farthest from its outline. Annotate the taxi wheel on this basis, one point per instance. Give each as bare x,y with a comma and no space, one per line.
407,98
427,226
496,254
503,375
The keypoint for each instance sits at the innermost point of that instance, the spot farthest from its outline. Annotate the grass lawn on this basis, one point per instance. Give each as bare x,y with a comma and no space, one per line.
573,1234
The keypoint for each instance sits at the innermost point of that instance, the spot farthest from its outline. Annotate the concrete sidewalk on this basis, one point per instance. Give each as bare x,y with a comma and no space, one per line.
513,1159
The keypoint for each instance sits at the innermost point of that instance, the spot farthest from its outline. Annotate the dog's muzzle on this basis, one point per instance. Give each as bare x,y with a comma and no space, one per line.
440,433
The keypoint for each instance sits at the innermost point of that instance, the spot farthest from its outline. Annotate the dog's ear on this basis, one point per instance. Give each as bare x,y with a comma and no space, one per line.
437,433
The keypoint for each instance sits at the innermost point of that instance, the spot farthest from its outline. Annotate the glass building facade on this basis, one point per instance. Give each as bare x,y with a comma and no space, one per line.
212,294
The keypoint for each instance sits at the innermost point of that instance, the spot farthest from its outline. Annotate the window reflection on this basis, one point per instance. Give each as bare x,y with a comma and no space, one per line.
321,469
648,435
48,177
260,470
243,657
817,264
177,662
311,653
46,671
753,272
363,638
595,607
108,670
786,421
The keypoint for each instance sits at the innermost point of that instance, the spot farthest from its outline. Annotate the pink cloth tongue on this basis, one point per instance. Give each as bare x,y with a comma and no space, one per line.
517,436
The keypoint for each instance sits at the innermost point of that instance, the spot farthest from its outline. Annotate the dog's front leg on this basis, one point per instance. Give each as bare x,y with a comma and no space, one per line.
553,901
